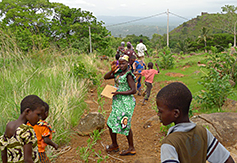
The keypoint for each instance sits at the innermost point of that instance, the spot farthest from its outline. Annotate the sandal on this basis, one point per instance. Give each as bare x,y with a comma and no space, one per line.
108,149
126,153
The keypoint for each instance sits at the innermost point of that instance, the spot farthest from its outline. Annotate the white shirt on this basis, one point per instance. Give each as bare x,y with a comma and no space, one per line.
140,49
219,155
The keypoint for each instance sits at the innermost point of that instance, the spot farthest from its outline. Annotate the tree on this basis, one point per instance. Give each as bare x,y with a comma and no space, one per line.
227,19
204,32
157,41
37,23
26,19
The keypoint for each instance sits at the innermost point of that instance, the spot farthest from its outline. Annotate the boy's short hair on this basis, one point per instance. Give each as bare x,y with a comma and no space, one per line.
150,64
129,45
46,107
117,56
176,96
32,102
133,57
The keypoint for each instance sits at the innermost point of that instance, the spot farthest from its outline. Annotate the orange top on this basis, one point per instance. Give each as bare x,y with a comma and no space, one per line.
42,129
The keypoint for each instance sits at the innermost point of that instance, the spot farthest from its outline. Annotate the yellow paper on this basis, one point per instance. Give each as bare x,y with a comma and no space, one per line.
107,92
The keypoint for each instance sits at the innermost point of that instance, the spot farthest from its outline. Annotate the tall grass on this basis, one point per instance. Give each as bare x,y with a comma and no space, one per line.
45,73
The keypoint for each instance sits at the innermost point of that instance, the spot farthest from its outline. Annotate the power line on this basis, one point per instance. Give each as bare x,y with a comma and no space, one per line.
136,20
178,16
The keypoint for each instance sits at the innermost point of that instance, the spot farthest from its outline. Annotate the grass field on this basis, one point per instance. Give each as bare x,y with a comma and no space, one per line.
188,66
49,74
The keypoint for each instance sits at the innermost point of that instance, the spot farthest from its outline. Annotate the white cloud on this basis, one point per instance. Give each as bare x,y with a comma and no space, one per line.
123,5
185,8
110,8
85,3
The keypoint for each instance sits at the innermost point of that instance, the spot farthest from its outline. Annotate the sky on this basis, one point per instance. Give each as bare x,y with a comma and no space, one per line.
143,8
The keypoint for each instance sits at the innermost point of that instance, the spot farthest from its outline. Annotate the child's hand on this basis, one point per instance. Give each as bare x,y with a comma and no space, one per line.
156,64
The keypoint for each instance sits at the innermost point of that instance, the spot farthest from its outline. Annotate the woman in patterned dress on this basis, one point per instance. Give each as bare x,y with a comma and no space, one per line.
123,105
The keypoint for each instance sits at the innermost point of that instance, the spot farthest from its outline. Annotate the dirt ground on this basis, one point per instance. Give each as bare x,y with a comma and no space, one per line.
146,140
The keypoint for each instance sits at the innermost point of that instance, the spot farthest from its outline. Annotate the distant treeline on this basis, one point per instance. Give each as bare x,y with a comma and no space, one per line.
37,25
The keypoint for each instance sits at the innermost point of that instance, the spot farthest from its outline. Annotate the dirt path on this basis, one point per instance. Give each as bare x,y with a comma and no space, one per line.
146,141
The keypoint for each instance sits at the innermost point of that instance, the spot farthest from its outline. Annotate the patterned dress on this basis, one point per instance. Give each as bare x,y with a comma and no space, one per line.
122,106
24,134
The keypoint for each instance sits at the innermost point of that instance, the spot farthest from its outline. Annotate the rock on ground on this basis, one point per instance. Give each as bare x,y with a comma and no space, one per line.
222,125
93,121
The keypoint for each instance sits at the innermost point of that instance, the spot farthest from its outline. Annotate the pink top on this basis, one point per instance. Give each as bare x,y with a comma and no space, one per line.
149,75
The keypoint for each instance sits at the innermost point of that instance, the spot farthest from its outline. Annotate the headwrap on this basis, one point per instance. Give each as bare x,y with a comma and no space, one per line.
122,43
124,57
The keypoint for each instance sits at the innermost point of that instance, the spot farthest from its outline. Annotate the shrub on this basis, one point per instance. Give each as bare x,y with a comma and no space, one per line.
217,88
167,59
224,63
80,71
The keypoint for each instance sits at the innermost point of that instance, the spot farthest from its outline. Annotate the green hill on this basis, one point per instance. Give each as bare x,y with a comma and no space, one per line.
207,24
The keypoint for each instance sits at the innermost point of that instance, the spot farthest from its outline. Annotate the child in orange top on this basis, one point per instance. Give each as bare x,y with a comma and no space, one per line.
44,135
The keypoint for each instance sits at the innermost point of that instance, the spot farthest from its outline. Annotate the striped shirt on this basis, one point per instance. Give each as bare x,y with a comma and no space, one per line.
215,153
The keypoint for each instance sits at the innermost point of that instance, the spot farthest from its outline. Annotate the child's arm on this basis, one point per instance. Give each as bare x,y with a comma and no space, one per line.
4,155
50,142
158,70
144,64
134,66
28,153
136,73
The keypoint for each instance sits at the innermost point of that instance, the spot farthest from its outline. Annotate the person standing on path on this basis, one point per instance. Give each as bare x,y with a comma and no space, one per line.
123,106
186,142
138,66
129,52
141,48
149,76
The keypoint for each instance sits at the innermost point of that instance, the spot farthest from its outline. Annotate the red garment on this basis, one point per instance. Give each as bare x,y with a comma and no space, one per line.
42,129
149,75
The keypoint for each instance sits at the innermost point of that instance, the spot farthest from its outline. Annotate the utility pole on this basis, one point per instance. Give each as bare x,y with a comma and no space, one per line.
90,39
235,34
167,27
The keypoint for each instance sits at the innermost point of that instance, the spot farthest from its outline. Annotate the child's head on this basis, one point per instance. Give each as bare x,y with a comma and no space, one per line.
45,114
173,102
117,56
150,65
32,106
129,45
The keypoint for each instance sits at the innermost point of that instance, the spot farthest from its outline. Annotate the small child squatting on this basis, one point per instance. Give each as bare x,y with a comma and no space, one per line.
186,142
